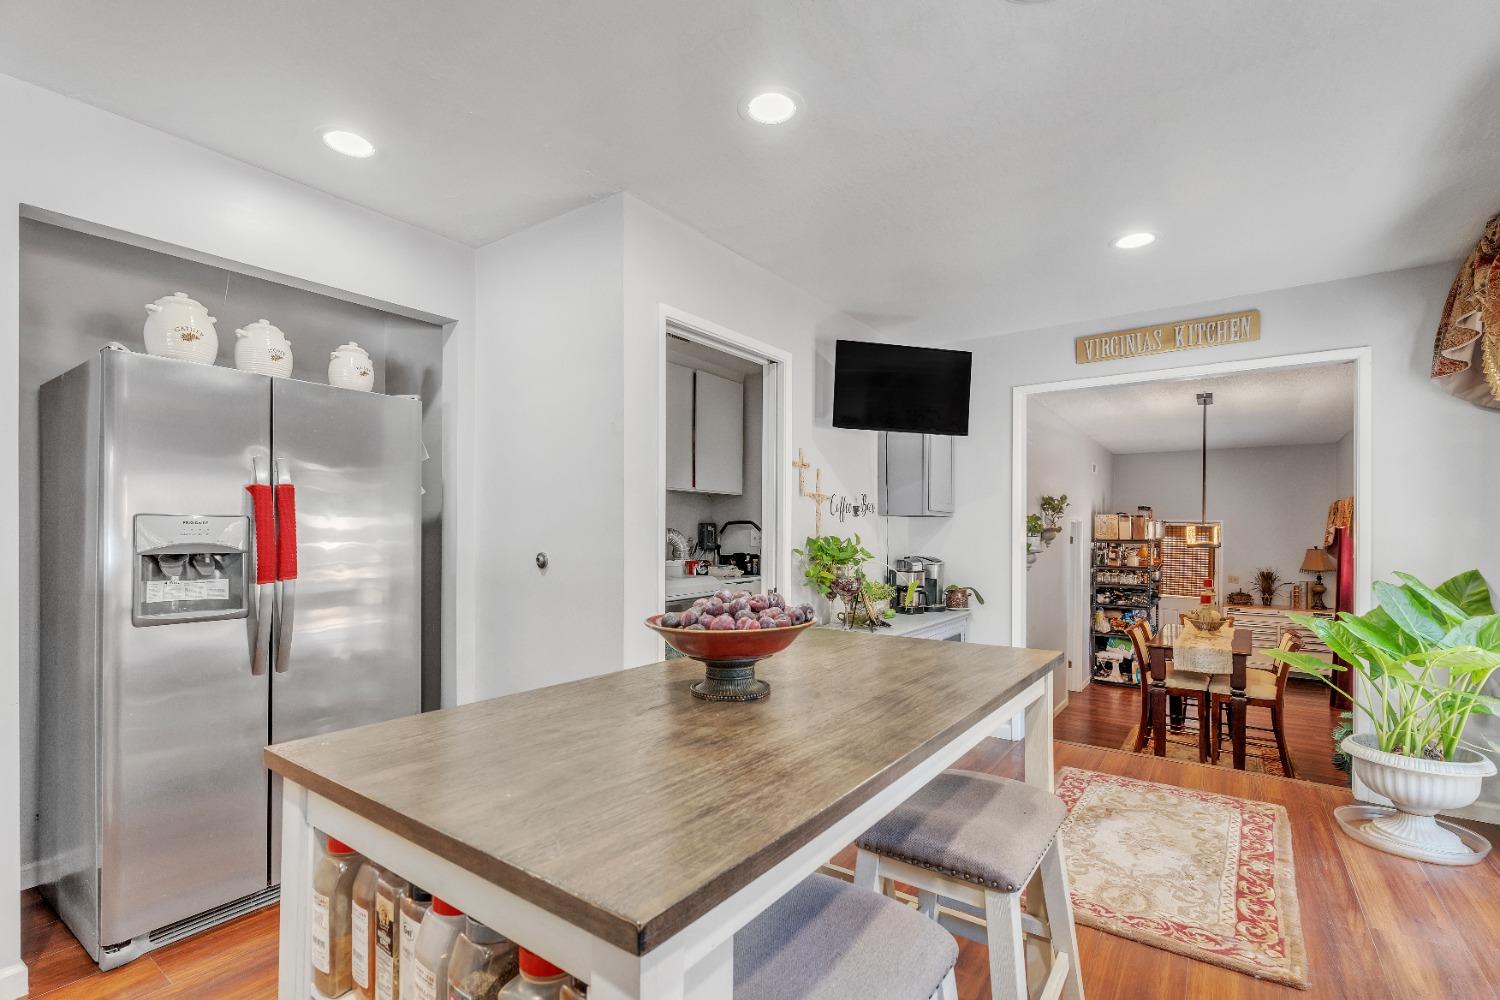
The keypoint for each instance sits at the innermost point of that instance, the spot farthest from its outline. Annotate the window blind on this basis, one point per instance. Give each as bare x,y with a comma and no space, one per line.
1184,569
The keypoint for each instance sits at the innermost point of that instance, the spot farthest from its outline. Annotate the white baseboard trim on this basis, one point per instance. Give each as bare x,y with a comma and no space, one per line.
13,981
31,875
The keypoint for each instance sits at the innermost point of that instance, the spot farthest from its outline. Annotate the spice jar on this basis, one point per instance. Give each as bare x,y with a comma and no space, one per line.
390,892
482,963
362,930
539,979
429,966
413,910
332,897
575,991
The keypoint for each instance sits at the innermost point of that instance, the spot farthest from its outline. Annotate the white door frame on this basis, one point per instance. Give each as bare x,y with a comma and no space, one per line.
1364,494
1075,583
775,429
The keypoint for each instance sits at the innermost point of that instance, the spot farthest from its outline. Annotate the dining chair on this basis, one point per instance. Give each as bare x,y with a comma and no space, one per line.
1263,689
1180,684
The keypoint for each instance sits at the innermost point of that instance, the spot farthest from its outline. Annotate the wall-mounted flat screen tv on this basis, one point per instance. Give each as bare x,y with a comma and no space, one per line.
887,387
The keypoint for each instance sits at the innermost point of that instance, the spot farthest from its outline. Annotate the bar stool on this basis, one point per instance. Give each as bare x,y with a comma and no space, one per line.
974,841
827,940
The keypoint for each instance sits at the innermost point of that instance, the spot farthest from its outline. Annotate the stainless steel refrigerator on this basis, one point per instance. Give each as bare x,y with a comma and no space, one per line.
228,560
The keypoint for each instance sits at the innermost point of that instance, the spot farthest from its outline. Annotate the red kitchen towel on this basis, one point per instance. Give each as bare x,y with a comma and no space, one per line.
265,533
286,517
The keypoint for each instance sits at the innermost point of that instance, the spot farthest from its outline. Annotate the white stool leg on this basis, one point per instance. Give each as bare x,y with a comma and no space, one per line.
867,871
947,989
1060,917
1002,917
927,904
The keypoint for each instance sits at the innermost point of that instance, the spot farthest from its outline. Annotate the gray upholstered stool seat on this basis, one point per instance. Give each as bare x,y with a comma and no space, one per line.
978,828
827,940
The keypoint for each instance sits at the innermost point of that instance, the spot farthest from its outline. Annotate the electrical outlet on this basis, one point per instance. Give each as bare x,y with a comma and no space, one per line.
1234,579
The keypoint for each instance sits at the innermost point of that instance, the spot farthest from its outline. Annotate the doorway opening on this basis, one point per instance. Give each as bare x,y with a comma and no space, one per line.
1286,454
725,450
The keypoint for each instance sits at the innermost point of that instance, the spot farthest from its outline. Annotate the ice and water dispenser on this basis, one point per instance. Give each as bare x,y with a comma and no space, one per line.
190,567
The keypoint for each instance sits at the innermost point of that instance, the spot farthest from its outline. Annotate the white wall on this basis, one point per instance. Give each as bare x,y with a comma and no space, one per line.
550,464
1345,461
1273,502
66,157
1433,485
668,263
572,461
1060,459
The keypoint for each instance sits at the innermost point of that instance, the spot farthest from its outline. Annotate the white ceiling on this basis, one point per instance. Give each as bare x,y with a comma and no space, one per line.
959,168
1313,405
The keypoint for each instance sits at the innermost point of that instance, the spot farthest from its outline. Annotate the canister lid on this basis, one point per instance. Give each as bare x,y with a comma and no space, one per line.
443,909
338,847
535,967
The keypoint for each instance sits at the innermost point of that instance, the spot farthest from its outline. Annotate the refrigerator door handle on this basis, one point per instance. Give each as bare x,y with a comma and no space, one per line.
265,564
286,572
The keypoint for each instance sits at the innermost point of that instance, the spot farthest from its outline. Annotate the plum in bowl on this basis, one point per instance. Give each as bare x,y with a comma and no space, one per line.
729,647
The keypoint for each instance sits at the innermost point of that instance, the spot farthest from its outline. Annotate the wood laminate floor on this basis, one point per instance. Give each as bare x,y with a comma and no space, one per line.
1103,715
1376,926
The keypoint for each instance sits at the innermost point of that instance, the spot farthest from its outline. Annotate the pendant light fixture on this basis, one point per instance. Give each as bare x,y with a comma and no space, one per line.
1205,533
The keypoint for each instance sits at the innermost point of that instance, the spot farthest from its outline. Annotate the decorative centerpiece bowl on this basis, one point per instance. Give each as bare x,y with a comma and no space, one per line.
729,656
1208,618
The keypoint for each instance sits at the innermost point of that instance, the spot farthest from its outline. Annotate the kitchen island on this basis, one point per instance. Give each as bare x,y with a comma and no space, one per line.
625,830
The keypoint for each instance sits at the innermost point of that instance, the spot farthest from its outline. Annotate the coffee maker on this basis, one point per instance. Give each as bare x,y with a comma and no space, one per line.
927,571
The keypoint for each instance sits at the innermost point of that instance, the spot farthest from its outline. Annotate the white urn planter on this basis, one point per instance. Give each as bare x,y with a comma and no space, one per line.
1419,788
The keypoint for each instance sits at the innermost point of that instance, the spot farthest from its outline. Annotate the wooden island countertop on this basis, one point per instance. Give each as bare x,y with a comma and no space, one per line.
629,808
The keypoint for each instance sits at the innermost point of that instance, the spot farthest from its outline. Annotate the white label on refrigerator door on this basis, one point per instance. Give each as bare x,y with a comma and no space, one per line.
186,590
360,947
424,983
320,932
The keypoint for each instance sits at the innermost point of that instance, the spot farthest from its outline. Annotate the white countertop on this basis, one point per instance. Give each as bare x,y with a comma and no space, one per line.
681,588
932,621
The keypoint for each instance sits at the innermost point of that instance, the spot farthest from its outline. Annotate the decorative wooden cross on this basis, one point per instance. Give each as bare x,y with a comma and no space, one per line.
817,496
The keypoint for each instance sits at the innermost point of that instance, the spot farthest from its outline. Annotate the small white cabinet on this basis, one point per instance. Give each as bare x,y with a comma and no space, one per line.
705,440
916,475
718,435
679,427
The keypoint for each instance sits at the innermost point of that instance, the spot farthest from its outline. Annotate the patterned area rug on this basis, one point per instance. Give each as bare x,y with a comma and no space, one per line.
1260,755
1203,875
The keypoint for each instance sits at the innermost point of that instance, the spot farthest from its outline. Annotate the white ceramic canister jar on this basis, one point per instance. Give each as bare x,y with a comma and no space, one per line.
180,327
350,367
262,348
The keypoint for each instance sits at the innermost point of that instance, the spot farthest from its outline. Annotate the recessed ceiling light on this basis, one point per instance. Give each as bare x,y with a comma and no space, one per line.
774,107
1134,241
348,143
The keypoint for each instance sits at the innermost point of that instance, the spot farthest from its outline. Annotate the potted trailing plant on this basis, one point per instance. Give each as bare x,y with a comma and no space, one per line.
878,597
958,597
1267,584
1033,530
833,567
1052,512
1425,654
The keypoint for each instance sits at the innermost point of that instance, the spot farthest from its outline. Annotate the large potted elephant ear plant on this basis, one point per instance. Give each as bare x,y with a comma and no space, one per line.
1425,655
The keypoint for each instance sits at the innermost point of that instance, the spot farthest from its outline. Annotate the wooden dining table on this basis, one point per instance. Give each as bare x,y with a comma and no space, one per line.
1160,650
625,830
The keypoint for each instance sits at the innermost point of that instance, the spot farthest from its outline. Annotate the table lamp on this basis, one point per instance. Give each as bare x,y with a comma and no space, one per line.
1319,562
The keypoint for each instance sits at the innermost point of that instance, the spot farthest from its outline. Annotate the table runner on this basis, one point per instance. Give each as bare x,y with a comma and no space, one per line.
1204,652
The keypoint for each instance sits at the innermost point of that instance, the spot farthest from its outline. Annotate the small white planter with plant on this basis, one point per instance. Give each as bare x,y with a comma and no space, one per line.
1425,655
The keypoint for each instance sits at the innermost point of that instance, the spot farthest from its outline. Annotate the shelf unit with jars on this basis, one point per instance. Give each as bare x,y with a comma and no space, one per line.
1125,586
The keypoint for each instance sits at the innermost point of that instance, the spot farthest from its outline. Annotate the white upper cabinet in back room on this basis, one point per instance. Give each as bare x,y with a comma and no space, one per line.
679,427
719,435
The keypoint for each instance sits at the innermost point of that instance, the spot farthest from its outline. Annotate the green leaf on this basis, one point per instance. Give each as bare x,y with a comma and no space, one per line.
1409,613
1436,601
1375,633
1469,591
1305,662
1481,632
